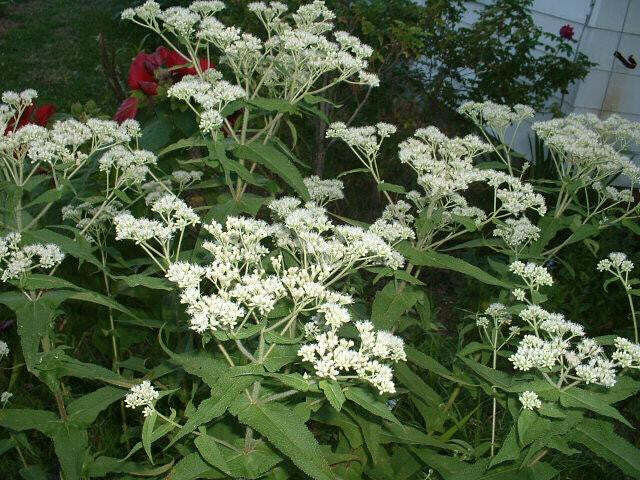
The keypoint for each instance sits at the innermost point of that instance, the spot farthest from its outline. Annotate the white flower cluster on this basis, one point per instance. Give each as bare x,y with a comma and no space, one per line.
5,397
94,221
13,105
495,116
210,93
365,140
4,349
142,395
65,147
627,354
444,166
593,148
175,217
247,279
534,276
16,261
517,233
125,166
324,191
616,263
559,347
298,50
529,400
185,179
333,357
395,223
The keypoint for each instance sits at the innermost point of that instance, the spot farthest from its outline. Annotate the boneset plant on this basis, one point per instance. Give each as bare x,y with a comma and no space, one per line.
241,319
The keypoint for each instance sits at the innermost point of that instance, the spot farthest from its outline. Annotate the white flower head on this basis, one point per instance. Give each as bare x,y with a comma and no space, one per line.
529,400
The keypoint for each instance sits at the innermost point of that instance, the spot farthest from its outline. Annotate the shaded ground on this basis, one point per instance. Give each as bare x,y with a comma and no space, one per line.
52,46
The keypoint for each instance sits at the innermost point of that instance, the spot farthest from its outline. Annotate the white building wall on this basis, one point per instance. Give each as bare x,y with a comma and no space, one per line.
600,27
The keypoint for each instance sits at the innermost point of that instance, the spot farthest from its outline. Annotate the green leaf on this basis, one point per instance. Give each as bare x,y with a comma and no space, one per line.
210,451
102,466
430,364
531,426
39,281
25,419
366,400
156,134
440,260
510,450
416,385
191,467
390,304
225,392
201,364
138,280
196,141
390,187
288,434
333,393
277,162
600,437
34,320
495,377
71,446
147,431
449,467
84,410
578,398
273,105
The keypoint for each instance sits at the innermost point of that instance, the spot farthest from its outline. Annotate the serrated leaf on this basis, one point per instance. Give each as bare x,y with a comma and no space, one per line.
288,434
210,451
578,398
440,260
226,390
138,280
389,304
599,437
190,467
510,450
277,162
430,364
366,400
333,393
83,411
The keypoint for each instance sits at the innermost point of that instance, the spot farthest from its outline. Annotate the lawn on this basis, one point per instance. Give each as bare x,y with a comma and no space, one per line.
52,46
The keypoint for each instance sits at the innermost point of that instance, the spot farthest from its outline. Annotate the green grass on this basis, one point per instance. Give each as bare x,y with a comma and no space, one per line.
52,46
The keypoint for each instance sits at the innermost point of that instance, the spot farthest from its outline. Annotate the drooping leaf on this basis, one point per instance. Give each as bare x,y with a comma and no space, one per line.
578,398
277,162
600,437
366,400
83,411
440,260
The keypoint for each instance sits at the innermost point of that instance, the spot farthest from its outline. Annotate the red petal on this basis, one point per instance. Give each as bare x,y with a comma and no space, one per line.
149,88
127,109
142,68
42,115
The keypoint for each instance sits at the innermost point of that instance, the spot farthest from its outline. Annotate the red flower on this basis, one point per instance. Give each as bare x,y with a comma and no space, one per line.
32,115
42,115
142,72
127,109
174,59
566,32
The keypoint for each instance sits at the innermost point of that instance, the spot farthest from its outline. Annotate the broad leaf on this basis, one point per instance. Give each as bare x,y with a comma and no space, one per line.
288,434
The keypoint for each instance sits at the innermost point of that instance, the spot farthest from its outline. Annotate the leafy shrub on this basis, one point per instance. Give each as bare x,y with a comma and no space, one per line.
240,317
